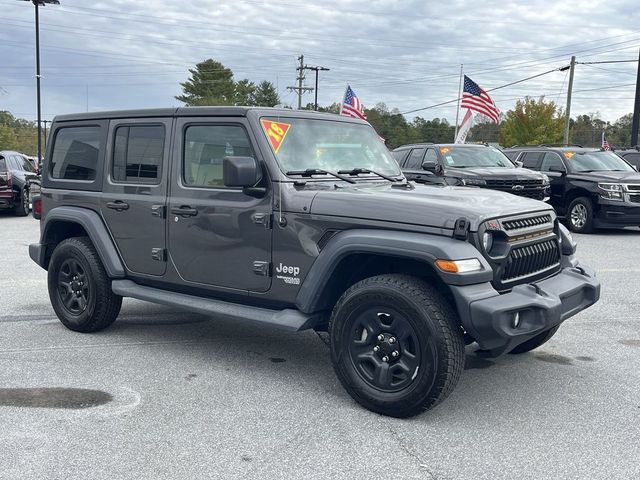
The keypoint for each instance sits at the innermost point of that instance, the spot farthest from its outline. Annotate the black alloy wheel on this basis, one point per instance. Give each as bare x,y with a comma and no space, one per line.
74,286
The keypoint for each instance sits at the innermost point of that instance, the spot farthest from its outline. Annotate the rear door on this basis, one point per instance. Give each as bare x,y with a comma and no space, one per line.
412,168
218,236
135,191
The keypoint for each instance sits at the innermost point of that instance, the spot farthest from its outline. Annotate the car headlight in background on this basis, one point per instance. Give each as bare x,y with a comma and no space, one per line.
476,182
487,241
611,191
545,179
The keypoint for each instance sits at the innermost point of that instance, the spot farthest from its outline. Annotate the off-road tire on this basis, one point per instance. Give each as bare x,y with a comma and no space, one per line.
584,206
21,208
434,324
101,305
535,342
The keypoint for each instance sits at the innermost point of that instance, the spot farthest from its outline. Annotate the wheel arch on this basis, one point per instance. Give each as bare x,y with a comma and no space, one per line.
61,223
353,255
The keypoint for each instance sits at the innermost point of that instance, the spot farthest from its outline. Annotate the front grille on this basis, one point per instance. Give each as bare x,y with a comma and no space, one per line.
634,198
496,183
535,194
633,188
531,259
526,222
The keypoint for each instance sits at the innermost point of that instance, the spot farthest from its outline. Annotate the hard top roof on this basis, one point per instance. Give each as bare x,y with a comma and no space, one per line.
200,112
430,144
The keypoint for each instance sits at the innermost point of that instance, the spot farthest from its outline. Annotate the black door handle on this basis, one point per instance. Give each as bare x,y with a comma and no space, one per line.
118,205
184,211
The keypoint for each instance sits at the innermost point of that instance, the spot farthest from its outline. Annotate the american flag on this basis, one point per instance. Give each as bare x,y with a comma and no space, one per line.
476,99
605,144
351,106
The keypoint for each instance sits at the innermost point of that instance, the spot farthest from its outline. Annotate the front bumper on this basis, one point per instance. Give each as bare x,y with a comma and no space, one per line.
488,315
617,214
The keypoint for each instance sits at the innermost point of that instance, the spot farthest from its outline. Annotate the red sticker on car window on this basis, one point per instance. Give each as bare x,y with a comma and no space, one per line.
276,131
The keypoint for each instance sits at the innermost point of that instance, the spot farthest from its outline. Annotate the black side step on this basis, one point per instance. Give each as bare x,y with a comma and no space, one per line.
287,319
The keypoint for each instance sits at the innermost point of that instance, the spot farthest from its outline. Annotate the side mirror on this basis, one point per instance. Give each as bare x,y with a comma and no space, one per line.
240,171
557,170
429,165
519,164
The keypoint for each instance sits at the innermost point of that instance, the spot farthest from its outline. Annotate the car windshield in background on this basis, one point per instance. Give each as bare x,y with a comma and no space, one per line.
303,144
469,157
597,161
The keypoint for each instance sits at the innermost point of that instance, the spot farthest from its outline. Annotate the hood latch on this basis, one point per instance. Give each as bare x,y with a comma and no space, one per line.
461,229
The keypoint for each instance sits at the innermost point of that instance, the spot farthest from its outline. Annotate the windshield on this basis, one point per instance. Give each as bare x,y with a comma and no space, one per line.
303,143
596,161
466,157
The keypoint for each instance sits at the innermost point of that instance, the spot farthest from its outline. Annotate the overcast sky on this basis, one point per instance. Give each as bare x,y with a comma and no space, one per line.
117,54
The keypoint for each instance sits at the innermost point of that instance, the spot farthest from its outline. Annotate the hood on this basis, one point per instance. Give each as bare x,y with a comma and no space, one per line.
499,173
613,177
429,205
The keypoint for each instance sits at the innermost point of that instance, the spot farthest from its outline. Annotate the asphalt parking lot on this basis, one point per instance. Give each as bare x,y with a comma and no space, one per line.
177,395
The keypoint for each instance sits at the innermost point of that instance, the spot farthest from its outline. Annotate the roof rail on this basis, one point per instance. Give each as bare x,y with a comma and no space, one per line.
560,145
524,146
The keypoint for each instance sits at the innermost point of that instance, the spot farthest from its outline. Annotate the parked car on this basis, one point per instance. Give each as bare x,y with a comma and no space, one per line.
591,187
16,175
472,165
299,220
631,155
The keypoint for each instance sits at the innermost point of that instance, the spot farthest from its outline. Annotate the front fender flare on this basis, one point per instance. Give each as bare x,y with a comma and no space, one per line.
422,247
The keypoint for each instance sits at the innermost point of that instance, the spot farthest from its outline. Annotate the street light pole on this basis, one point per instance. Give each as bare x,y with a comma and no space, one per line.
37,4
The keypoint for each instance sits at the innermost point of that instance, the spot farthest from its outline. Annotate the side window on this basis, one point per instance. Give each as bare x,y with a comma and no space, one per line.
400,156
431,156
75,153
633,159
532,160
3,165
137,153
552,161
204,148
24,164
414,162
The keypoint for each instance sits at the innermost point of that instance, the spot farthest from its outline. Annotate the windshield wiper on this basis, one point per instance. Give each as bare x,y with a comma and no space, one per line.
309,172
358,171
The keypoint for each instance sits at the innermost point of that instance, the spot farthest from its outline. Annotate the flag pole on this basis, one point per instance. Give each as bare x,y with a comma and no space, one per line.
343,95
455,135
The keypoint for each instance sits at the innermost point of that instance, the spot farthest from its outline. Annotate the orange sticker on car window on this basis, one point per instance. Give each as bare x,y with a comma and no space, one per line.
276,131
444,150
568,155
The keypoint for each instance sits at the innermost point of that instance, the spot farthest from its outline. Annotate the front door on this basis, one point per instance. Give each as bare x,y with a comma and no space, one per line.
218,236
135,191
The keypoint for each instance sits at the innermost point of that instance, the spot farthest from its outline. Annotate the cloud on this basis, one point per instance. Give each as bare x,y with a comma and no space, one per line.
407,54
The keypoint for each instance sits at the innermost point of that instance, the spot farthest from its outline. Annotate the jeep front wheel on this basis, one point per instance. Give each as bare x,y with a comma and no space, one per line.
396,345
79,288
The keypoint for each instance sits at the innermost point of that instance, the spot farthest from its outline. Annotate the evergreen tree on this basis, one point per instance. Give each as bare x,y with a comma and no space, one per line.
211,83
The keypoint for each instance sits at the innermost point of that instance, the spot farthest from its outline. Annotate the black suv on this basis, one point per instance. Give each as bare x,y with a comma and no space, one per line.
16,175
590,187
300,220
631,155
468,164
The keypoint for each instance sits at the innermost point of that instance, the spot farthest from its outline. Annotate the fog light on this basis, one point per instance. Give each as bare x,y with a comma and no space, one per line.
515,323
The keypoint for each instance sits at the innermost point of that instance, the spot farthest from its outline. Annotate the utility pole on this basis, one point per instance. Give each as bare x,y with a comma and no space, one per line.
569,91
636,111
300,78
316,69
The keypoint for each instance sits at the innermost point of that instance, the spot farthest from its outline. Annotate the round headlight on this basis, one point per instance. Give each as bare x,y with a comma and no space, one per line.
487,241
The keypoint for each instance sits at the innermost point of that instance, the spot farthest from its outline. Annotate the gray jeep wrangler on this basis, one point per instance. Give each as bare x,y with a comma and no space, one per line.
299,220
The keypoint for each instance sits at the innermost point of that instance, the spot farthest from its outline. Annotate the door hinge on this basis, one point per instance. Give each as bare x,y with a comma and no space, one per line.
159,211
159,254
262,268
264,219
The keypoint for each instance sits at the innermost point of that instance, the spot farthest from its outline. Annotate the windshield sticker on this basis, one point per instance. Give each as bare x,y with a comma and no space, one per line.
449,159
276,132
445,150
568,155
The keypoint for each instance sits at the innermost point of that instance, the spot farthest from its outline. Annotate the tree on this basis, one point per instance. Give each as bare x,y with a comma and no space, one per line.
620,132
436,130
8,138
266,95
245,92
484,130
211,83
533,121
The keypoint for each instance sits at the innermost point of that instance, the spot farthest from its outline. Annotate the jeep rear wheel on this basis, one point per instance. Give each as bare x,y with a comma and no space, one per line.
79,288
396,345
